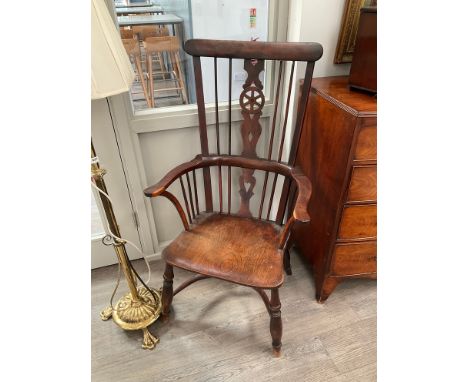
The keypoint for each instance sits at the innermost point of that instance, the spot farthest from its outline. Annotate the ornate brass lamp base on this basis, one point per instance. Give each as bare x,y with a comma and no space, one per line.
131,314
137,314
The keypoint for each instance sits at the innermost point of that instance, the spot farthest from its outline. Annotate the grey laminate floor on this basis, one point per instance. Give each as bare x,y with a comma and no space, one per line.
220,332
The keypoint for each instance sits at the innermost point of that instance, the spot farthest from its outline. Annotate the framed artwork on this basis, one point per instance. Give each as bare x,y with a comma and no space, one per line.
349,25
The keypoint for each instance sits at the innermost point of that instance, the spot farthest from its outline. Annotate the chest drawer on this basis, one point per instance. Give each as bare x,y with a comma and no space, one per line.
366,145
363,184
355,258
358,222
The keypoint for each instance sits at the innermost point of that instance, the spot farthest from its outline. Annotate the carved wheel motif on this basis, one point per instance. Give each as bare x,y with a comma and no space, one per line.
252,100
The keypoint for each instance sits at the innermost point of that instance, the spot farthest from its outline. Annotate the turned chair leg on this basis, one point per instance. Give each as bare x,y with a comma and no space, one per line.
276,325
167,292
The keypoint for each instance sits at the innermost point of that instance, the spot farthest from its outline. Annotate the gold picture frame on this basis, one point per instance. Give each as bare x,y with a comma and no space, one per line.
348,31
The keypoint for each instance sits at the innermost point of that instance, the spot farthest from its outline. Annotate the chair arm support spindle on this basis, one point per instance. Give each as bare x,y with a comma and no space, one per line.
179,208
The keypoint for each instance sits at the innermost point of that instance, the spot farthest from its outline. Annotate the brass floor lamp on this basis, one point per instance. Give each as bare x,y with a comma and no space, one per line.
111,74
142,305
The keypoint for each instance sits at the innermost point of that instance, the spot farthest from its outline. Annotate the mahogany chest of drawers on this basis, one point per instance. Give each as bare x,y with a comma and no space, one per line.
338,152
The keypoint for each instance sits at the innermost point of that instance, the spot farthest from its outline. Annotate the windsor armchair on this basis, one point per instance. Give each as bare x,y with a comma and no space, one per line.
229,242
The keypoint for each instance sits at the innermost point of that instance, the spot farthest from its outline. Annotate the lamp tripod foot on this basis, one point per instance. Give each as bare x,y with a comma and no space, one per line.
106,313
149,341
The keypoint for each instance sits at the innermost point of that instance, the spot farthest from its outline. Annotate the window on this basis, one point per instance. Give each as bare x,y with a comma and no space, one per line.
153,35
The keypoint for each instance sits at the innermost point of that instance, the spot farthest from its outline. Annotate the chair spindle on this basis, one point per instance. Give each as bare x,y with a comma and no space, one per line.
283,132
196,191
220,178
190,194
203,131
185,200
273,188
283,135
229,132
272,136
216,103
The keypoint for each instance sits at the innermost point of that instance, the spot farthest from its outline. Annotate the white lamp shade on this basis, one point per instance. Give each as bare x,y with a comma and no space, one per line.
111,70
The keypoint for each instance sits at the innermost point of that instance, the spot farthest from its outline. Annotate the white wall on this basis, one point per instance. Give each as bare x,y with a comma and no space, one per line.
318,21
227,20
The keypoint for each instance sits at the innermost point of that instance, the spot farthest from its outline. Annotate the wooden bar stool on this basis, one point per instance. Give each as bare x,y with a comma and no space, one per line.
170,46
132,47
145,31
126,33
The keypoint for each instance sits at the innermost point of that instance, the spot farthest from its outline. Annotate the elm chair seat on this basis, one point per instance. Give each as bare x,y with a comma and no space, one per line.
233,248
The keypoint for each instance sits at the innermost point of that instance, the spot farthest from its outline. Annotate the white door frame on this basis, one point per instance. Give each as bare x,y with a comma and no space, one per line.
107,150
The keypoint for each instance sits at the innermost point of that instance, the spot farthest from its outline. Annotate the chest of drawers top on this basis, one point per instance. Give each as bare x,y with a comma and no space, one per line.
337,91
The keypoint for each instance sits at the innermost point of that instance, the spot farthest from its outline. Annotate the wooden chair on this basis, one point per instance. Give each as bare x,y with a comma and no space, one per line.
165,45
143,32
126,33
133,51
233,244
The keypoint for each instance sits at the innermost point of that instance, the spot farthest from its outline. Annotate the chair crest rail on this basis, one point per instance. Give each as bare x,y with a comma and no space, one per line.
297,51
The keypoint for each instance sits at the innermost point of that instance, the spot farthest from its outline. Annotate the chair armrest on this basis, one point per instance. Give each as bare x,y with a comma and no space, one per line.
217,160
304,188
303,184
300,214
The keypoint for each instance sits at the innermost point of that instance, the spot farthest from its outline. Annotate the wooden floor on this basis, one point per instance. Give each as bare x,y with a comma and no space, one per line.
220,332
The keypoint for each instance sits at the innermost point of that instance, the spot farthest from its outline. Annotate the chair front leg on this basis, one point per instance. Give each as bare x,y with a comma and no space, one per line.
276,325
167,292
